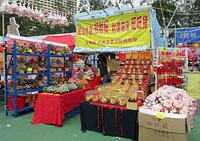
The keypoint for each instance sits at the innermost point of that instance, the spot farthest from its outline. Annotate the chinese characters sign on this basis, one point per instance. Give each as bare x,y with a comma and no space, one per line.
187,35
194,85
120,31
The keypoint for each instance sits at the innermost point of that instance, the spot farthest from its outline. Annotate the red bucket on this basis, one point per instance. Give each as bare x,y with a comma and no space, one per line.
20,103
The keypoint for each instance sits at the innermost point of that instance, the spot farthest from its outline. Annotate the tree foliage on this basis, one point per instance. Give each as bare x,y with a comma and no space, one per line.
34,28
186,15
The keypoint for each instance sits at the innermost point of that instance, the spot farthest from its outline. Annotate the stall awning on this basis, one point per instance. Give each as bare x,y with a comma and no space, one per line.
64,39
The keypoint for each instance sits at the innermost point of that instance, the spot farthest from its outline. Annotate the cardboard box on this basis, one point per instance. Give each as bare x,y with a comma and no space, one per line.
154,126
132,106
113,64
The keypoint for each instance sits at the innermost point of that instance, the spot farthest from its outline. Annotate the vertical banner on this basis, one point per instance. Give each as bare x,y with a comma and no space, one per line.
119,31
194,85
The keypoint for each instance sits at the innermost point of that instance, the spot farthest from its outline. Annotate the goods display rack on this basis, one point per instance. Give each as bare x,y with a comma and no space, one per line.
11,58
172,67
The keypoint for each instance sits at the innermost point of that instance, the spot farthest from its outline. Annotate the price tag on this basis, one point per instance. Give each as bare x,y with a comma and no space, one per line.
160,116
164,49
30,69
30,50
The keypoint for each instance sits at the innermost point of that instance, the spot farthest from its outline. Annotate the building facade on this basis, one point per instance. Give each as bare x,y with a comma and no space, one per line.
66,7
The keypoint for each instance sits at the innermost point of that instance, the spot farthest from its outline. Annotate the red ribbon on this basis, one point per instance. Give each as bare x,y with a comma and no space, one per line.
110,107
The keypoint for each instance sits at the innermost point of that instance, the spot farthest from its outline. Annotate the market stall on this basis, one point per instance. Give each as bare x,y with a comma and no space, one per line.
29,70
190,38
132,34
44,67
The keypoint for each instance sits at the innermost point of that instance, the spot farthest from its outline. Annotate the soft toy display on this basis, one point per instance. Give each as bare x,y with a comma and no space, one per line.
169,99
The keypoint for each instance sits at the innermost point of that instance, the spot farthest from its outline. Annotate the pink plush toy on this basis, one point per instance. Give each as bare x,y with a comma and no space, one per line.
169,99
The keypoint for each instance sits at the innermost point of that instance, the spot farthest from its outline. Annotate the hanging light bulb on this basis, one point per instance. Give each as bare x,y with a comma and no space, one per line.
22,10
36,14
6,7
14,7
28,12
32,16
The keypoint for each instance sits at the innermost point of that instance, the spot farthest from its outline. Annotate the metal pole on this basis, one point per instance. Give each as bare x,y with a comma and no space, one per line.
4,61
3,31
3,35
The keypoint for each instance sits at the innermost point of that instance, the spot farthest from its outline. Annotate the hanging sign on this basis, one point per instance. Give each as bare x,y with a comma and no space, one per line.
194,85
120,31
187,35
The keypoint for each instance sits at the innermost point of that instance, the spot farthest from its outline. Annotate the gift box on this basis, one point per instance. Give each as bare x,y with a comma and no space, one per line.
122,56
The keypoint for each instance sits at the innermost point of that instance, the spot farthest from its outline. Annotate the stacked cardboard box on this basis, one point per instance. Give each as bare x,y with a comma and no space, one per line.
154,126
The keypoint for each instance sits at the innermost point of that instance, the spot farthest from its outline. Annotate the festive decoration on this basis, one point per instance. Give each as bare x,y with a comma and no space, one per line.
115,94
135,68
171,64
33,13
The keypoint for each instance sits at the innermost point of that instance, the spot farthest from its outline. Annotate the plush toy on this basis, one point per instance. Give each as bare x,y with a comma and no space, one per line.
84,83
32,47
60,65
53,49
66,50
59,50
170,100
54,65
19,47
38,48
26,47
21,67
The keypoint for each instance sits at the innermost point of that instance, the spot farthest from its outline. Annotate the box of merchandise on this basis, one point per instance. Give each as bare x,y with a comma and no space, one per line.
156,126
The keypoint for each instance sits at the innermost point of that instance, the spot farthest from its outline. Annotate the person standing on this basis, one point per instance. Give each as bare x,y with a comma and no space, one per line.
102,65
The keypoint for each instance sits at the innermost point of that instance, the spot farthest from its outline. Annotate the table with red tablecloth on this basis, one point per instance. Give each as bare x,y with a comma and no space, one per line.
51,108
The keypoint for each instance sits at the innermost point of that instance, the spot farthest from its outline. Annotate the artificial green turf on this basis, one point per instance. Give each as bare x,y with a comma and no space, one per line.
21,129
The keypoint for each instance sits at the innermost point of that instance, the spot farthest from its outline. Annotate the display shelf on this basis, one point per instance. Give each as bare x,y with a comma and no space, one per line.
25,91
27,54
28,91
25,109
26,74
60,72
173,60
13,112
136,64
15,76
61,56
132,73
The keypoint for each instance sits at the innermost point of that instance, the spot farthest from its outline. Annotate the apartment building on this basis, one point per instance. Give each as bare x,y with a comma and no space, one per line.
67,7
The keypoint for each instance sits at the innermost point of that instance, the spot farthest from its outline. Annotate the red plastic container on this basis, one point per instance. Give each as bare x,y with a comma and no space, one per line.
122,56
75,57
20,103
95,82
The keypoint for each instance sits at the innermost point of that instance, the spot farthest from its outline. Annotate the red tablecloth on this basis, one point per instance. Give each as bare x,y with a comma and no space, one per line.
50,109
